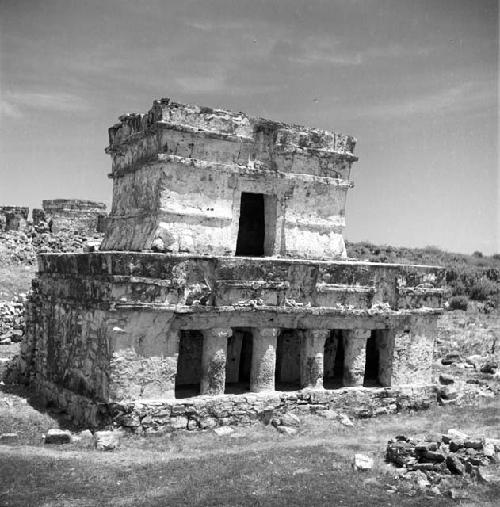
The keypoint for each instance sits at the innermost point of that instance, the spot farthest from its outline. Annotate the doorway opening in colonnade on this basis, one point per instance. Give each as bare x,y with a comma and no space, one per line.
333,360
287,373
239,361
187,380
379,351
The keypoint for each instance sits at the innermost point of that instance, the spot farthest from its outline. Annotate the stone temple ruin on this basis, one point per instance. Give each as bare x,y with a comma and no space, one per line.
64,215
222,290
59,215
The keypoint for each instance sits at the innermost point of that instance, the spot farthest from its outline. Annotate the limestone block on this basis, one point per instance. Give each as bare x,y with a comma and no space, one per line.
107,440
57,436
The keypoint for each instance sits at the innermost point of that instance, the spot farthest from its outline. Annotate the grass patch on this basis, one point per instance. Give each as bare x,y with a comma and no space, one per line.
255,466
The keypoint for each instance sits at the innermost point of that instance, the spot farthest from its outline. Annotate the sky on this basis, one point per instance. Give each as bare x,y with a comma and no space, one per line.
415,81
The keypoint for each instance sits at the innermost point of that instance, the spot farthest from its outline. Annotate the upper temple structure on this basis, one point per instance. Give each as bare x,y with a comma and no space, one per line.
222,290
190,179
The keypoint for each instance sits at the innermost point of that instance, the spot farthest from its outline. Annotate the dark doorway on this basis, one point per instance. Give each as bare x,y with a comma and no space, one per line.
252,226
372,361
187,380
334,360
288,360
239,361
246,359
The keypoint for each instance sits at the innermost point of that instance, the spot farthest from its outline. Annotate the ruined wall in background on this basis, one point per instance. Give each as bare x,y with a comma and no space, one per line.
71,215
13,218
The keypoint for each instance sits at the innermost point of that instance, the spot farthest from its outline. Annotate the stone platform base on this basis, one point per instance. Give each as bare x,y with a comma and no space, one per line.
205,412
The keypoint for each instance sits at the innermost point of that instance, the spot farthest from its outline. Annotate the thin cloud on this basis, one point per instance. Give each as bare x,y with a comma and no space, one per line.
211,26
15,104
463,97
320,49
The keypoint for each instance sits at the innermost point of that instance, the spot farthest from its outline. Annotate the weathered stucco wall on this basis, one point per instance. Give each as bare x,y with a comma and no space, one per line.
179,173
113,327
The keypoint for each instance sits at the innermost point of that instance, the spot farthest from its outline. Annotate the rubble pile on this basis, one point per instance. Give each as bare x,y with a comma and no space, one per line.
431,462
12,319
461,380
22,247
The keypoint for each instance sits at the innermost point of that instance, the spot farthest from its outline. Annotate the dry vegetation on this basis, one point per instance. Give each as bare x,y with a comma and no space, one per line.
470,277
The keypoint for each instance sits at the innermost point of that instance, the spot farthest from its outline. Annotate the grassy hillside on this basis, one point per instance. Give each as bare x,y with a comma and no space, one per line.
475,277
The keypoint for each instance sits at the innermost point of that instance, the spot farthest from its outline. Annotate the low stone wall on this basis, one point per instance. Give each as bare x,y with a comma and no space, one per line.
204,412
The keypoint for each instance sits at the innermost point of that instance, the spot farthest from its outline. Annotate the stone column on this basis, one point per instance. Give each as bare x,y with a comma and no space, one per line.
263,359
385,342
312,347
213,360
355,356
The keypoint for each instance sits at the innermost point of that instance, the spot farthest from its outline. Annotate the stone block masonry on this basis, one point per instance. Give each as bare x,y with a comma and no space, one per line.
13,218
71,215
221,288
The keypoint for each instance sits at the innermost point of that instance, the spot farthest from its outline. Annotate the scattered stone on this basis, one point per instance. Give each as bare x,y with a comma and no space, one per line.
56,436
107,440
475,443
448,392
455,466
489,367
493,441
343,419
474,360
8,438
446,379
362,462
222,431
84,436
488,449
454,453
267,415
457,494
433,456
456,444
451,358
287,430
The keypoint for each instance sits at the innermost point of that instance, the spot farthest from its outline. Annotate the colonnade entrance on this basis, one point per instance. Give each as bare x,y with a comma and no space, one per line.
240,360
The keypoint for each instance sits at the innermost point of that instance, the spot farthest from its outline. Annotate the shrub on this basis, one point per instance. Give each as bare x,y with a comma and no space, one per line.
482,289
458,303
477,253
